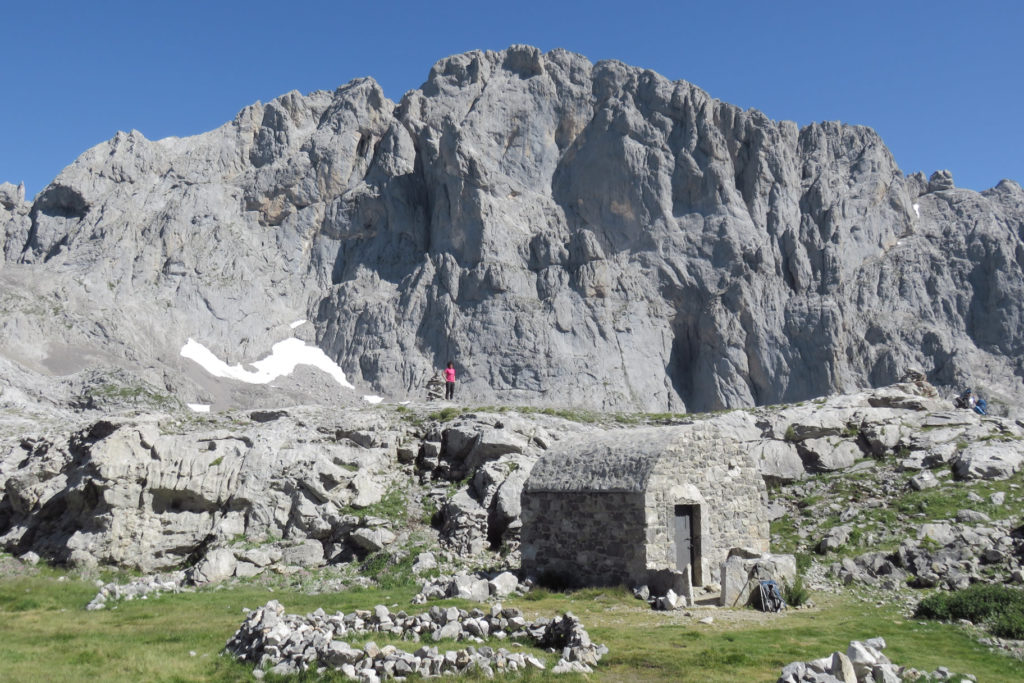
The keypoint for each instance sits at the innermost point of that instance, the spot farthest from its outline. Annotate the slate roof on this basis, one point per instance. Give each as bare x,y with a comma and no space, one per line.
619,461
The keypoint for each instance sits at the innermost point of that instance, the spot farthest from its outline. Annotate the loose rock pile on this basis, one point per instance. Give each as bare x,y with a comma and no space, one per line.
139,589
863,662
479,587
289,643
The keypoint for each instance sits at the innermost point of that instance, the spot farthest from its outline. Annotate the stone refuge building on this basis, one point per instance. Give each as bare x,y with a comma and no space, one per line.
636,506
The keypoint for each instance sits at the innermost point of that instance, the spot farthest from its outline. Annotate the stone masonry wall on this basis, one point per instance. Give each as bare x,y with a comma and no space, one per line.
706,468
591,538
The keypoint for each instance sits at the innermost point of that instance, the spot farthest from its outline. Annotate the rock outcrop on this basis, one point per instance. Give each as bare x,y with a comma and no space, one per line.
567,232
127,494
243,493
863,662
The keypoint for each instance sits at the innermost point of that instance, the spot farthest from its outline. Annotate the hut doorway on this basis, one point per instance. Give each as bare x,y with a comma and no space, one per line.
687,538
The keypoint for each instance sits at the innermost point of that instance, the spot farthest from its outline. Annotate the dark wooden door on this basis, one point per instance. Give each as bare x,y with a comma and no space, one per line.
684,536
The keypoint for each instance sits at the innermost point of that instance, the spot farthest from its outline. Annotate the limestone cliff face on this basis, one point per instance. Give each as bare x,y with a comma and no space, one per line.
567,232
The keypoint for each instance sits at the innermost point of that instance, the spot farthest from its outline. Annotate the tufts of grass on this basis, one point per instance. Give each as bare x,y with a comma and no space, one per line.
445,414
391,506
582,416
130,394
391,572
1001,608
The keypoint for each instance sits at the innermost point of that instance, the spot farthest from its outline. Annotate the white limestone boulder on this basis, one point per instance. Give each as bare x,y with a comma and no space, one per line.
989,460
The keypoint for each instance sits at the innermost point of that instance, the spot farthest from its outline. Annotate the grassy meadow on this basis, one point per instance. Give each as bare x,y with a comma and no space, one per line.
46,634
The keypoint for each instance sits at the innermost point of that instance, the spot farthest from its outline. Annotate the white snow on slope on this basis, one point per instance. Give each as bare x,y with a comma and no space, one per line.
917,210
283,358
297,323
198,407
372,399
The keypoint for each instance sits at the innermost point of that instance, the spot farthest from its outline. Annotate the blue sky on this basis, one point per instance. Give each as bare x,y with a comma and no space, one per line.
942,82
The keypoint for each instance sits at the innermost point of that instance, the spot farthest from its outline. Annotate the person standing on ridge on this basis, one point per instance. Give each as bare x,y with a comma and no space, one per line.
449,382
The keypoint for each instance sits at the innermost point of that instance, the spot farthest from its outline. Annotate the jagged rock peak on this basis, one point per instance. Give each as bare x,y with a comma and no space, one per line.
566,232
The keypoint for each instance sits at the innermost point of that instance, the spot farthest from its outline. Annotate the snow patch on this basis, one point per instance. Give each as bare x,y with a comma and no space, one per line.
284,356
373,399
198,407
297,323
917,210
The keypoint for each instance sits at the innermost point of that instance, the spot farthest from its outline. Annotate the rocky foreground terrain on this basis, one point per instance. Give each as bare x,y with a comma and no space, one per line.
569,233
238,494
885,493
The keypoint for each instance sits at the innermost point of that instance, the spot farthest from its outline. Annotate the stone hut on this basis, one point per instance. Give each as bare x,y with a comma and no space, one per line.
636,506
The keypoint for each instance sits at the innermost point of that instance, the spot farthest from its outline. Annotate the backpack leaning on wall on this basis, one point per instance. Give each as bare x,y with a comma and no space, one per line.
771,598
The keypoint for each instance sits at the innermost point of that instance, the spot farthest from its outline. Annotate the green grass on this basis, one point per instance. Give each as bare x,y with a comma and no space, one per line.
445,414
134,395
394,574
1001,608
392,506
571,414
883,528
45,634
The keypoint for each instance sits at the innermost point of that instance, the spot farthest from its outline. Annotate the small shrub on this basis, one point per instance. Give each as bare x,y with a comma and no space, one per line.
797,594
390,572
1009,624
790,434
803,562
1000,607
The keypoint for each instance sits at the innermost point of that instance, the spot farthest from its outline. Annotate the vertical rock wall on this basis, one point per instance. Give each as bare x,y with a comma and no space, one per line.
566,232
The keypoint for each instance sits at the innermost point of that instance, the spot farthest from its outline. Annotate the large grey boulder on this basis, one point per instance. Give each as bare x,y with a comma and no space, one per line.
503,584
779,461
219,564
367,490
372,539
829,454
508,499
742,572
493,444
989,460
835,538
305,553
470,587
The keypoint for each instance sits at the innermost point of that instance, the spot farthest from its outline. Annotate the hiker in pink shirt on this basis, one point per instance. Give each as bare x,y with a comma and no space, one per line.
449,381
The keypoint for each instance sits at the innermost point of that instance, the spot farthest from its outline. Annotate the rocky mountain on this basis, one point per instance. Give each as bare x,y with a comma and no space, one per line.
567,232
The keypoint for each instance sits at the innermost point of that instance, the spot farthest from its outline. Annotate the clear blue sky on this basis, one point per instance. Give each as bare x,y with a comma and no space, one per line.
941,81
